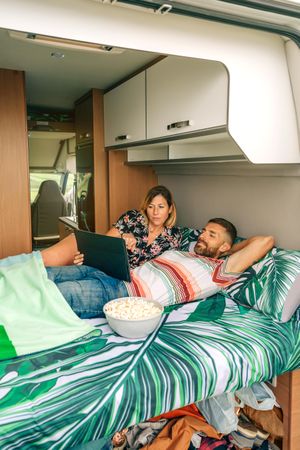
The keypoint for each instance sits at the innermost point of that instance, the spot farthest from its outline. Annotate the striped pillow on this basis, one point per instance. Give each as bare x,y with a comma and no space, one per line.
178,277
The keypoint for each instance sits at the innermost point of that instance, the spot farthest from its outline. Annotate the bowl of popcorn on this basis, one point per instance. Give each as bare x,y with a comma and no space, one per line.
133,317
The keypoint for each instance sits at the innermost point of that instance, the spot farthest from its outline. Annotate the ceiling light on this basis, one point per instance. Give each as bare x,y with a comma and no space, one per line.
64,43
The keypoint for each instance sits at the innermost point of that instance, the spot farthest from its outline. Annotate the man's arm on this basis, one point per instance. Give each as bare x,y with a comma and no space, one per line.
247,252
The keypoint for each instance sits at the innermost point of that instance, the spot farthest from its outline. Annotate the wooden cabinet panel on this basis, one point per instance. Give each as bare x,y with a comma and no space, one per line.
84,118
287,394
127,184
185,95
91,162
125,112
100,165
15,221
295,411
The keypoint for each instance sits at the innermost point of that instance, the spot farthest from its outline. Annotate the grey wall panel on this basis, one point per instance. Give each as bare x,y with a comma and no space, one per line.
256,205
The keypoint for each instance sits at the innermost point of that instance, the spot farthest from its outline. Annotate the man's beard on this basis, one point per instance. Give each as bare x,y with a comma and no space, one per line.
202,249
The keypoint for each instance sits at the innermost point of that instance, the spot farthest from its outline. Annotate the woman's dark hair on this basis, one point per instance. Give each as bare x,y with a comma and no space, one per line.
229,227
166,194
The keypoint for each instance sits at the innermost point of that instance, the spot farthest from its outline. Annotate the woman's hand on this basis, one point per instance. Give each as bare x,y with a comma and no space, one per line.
78,259
130,241
129,238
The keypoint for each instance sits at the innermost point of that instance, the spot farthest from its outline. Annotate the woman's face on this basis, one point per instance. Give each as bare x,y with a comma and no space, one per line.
158,211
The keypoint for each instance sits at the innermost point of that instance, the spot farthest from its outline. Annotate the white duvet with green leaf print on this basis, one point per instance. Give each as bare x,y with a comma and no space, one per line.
94,386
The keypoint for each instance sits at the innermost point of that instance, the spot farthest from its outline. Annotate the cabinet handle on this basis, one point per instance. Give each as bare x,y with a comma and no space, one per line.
182,124
122,137
84,135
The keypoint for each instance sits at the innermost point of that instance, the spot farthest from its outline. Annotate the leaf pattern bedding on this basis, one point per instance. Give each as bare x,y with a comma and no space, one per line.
95,385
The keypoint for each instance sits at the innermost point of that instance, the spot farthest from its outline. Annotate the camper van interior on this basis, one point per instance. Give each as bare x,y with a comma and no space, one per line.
99,101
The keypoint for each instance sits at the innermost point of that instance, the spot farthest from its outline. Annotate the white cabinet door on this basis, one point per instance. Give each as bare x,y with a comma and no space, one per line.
124,112
184,95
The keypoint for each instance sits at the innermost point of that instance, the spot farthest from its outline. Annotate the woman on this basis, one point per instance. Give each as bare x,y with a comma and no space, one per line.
148,232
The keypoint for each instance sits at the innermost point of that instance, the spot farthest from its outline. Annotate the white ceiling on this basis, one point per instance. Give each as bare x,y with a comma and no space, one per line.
57,83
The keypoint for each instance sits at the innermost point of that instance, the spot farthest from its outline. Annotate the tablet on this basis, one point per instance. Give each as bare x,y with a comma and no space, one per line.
106,253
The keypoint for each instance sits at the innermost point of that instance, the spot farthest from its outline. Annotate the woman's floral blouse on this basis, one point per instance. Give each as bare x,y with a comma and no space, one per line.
135,222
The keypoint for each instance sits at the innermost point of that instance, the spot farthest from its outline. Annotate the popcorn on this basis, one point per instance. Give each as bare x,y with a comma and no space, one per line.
132,308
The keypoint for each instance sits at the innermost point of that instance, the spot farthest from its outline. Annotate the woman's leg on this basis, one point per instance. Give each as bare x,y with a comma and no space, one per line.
61,274
62,253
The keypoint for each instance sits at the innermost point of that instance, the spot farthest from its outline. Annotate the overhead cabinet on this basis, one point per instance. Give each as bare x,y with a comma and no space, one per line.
125,112
185,95
174,96
176,109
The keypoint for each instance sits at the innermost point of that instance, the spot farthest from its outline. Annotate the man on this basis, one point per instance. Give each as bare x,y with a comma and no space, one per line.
217,238
173,277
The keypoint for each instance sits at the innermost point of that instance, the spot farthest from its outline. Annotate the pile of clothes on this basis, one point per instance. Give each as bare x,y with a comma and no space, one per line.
222,422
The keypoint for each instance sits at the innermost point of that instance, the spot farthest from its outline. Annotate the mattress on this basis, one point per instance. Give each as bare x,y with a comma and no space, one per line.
95,385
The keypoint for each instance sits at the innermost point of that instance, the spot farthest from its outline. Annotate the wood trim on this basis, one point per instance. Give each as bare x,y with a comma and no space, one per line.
15,221
83,97
43,125
294,423
287,394
100,164
127,184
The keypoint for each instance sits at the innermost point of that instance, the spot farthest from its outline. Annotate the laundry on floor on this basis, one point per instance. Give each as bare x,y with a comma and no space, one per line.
247,419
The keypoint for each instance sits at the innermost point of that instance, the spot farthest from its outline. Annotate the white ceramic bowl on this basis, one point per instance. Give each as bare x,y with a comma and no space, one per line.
137,327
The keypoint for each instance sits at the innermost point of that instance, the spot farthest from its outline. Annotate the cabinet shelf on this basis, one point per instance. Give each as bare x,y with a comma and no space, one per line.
210,146
183,137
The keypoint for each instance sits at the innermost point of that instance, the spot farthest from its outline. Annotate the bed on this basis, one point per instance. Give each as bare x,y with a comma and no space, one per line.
95,385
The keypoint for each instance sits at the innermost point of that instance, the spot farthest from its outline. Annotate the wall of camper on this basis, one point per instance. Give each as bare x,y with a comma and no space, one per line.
257,201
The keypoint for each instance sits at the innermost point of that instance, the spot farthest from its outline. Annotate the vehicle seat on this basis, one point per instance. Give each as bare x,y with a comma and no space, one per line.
47,207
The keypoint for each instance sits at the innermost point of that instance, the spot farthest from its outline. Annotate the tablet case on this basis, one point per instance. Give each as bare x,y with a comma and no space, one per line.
105,253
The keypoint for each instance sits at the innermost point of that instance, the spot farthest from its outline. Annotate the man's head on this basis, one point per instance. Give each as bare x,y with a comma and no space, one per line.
216,238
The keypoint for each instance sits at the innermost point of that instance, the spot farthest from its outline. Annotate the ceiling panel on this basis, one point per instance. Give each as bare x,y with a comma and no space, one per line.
57,82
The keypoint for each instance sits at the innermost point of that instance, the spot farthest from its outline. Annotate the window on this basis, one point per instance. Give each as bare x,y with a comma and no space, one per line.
36,179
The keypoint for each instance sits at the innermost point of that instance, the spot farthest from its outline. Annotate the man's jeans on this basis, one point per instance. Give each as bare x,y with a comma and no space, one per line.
86,289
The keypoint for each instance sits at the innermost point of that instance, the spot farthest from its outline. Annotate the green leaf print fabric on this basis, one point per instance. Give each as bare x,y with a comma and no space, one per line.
34,316
271,286
88,389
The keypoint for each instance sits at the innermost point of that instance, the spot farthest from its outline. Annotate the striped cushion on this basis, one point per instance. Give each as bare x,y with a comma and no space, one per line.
178,277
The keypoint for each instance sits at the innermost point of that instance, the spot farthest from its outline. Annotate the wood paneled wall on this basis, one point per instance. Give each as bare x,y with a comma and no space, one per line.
127,184
100,164
287,394
15,220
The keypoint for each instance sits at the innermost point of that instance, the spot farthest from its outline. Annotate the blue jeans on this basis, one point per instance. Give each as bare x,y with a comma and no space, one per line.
86,289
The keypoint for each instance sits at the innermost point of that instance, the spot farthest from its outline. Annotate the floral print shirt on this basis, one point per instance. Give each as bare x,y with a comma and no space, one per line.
135,222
